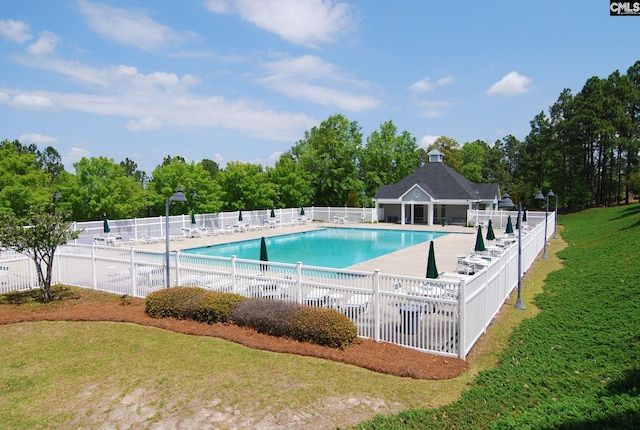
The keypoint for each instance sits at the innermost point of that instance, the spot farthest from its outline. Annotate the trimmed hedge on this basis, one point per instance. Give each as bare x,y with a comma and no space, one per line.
217,307
266,316
192,303
326,327
323,326
176,302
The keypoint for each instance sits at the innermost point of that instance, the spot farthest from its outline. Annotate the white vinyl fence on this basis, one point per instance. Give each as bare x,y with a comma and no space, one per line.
134,230
17,272
445,316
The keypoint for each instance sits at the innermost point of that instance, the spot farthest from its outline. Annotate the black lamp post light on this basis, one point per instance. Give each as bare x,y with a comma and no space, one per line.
477,207
178,196
506,202
56,196
541,196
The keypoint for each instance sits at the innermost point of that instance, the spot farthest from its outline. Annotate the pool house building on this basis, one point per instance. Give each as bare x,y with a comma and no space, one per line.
434,194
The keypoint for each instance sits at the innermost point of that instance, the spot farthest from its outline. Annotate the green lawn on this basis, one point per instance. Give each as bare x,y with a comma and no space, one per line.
570,365
577,363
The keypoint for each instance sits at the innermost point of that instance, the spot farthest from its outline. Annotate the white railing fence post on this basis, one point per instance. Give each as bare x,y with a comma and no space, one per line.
178,277
94,276
234,281
299,281
132,272
376,305
462,316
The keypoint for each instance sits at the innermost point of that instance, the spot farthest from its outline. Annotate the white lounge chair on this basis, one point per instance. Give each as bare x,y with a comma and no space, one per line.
145,238
356,305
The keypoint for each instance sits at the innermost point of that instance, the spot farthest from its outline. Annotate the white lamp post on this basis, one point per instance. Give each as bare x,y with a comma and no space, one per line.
178,196
506,202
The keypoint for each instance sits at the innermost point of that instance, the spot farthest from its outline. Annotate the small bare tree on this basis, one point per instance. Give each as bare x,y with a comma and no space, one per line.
38,239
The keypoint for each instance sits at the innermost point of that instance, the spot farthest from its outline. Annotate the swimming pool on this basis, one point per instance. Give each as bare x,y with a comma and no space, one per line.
328,247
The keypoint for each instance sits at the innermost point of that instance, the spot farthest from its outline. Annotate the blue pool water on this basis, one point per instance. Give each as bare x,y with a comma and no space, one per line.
328,247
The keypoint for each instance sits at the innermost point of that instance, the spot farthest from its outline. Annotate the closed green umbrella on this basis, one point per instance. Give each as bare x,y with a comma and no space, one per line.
490,234
105,224
524,215
193,217
263,254
273,213
240,215
432,270
509,229
479,241
302,211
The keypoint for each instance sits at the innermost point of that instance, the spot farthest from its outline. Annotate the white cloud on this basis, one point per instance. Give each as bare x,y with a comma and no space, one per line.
16,31
46,44
154,108
310,78
146,123
129,27
126,77
38,139
31,101
427,140
218,6
512,84
161,99
425,84
273,158
307,23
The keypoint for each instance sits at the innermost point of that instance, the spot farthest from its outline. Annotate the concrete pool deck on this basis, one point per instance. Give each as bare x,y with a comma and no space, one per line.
410,261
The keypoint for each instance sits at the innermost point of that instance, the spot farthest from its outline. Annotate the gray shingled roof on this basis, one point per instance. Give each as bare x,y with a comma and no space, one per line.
441,182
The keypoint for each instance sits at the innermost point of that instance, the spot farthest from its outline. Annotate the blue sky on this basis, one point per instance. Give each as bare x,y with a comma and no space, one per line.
242,80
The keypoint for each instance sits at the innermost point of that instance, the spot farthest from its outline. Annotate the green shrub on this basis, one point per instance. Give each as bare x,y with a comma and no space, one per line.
217,307
175,302
326,327
265,316
323,326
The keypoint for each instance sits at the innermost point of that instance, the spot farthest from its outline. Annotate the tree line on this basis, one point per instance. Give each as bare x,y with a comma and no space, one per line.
585,148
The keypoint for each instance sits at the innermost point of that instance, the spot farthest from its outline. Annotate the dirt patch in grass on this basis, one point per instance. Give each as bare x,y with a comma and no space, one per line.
74,304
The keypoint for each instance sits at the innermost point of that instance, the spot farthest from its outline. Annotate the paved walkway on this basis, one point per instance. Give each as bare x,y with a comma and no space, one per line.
410,261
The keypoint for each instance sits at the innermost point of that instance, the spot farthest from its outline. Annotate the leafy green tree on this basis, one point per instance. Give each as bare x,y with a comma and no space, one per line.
474,156
291,181
627,90
329,153
170,160
23,184
131,170
51,162
210,166
388,157
37,235
245,186
192,178
104,187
